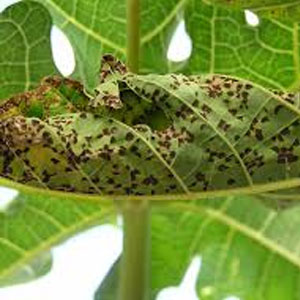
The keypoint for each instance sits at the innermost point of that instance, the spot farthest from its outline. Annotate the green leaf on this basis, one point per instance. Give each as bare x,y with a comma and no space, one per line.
289,10
97,27
37,221
223,43
218,134
38,267
247,250
108,289
25,55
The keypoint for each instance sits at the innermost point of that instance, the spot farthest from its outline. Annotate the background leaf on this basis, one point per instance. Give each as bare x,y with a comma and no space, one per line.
247,250
223,43
98,27
222,40
38,221
289,10
39,266
25,55
108,289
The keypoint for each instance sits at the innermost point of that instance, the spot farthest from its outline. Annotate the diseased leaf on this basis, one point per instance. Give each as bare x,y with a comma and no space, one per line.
25,55
217,133
289,10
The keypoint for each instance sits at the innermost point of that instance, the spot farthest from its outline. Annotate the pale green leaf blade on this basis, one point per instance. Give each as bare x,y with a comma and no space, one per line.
25,55
247,250
222,40
38,220
224,43
38,267
98,27
289,10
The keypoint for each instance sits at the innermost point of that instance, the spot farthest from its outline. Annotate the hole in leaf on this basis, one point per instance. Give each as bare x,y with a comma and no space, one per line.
5,3
232,298
7,196
186,290
251,18
62,51
180,47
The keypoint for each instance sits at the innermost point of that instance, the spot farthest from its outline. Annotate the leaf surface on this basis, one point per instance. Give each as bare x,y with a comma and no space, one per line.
36,268
37,221
222,40
97,27
247,250
289,10
216,133
25,55
223,43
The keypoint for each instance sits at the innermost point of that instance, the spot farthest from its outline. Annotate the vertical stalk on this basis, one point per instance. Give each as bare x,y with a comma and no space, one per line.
133,35
135,269
134,280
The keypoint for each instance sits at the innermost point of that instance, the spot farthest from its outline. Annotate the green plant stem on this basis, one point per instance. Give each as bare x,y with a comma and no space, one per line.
133,35
135,268
134,280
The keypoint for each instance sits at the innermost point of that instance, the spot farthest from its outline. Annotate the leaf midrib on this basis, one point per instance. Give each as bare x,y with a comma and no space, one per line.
108,199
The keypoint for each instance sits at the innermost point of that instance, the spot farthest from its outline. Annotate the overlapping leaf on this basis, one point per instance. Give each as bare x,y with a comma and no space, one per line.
25,55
